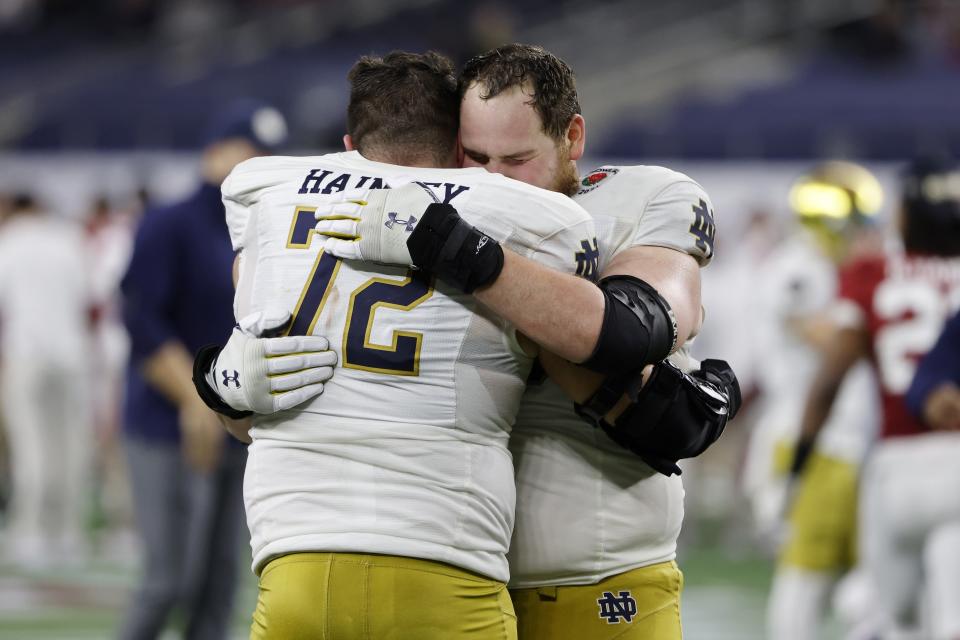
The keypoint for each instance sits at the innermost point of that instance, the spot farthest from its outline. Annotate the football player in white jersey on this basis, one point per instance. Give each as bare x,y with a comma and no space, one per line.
834,204
593,550
385,509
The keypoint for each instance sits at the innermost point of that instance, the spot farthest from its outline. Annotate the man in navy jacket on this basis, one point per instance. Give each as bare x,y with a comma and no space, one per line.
186,475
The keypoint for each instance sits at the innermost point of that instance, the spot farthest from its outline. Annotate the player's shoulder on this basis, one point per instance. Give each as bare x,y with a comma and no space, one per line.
266,171
633,181
646,205
633,193
525,197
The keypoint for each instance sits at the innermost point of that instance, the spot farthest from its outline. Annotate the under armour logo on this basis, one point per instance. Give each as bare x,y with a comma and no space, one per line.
615,608
483,241
409,223
235,378
588,260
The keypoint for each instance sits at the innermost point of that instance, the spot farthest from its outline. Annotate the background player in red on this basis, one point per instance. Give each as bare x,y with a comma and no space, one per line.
892,308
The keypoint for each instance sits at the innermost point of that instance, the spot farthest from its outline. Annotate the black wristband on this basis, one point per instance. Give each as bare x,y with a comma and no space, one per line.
446,246
201,364
801,453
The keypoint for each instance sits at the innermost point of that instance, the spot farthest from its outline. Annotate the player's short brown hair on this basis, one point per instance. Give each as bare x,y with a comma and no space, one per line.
551,79
404,103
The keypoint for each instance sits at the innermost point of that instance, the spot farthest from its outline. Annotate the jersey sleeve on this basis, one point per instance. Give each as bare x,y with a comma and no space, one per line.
541,225
679,216
240,192
557,232
572,249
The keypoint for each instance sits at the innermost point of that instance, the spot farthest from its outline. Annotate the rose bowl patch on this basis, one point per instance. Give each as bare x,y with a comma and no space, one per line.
593,179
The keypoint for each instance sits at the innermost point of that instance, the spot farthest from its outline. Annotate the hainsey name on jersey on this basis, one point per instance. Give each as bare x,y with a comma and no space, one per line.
903,303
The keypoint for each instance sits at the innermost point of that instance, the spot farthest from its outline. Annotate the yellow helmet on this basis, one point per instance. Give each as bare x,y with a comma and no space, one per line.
833,199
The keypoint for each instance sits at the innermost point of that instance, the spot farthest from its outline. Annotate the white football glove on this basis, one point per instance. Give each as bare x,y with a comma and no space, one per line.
373,224
265,375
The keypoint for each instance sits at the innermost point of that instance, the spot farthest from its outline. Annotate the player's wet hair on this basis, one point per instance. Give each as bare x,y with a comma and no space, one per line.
551,79
931,207
404,105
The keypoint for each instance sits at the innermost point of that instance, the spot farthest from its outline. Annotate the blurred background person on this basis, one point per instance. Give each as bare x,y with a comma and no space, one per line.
934,394
109,240
892,308
45,304
835,205
186,473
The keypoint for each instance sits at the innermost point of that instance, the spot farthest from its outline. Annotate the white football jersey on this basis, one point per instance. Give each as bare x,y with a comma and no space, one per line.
795,283
45,293
405,452
586,508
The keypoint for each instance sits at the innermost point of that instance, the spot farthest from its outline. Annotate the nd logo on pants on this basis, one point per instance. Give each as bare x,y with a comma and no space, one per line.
640,604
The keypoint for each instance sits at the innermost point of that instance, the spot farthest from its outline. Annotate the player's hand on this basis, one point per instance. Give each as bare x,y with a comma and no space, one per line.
373,224
266,374
407,226
942,408
201,436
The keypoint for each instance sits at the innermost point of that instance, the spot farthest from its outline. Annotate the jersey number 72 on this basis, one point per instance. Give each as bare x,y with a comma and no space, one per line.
402,356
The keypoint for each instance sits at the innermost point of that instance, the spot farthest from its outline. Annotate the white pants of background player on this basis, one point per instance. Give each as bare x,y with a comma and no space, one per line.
910,534
47,418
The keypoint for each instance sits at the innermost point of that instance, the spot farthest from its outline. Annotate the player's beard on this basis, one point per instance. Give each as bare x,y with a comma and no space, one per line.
566,180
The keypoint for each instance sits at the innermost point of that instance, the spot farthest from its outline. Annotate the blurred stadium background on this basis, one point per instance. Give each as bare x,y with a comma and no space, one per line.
103,106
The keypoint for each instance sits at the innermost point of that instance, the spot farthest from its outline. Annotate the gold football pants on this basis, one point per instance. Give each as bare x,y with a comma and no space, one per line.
642,604
823,518
351,596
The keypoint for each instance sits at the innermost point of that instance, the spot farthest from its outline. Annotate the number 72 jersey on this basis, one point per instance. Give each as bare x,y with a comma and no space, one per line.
412,429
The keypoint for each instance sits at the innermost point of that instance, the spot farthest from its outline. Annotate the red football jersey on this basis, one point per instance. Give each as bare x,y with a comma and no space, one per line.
904,302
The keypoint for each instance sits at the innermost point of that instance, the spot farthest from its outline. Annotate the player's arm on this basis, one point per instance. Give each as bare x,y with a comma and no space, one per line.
259,370
627,320
663,413
934,394
576,319
238,427
845,346
149,288
560,312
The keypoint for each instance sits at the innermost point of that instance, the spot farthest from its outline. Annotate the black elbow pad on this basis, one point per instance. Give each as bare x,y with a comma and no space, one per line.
639,327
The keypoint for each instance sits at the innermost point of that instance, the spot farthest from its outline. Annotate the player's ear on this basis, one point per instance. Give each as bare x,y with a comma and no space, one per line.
577,136
348,142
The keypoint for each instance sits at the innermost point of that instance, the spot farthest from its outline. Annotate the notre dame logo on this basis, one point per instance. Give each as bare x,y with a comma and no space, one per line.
617,607
588,260
703,228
